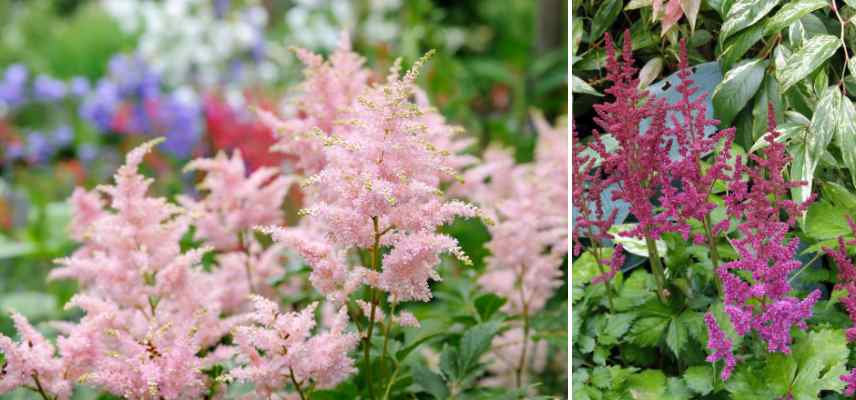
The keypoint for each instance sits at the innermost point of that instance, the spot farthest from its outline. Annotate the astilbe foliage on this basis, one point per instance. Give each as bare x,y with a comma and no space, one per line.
756,288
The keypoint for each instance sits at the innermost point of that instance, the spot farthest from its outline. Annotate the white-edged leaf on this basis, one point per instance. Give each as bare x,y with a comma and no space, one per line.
791,12
580,86
809,57
634,245
650,71
690,9
744,13
788,132
846,136
736,89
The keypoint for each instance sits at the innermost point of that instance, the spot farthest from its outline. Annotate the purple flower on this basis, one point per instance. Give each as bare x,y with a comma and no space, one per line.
13,86
80,86
87,152
48,89
720,345
38,149
14,151
101,105
63,136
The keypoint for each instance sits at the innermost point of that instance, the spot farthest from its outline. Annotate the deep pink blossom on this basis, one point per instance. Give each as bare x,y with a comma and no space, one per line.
720,345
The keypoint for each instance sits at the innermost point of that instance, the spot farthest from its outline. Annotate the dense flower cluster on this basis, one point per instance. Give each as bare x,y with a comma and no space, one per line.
720,345
764,253
376,173
528,242
154,317
130,100
846,281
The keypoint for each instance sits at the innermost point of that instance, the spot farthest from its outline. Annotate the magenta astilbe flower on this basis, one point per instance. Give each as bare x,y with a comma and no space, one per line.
639,163
588,189
692,201
846,278
850,379
762,302
615,263
720,345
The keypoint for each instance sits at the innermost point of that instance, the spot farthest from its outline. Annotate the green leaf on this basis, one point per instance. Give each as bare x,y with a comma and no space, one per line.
846,136
606,14
745,13
676,337
700,378
648,331
824,123
807,59
769,93
429,380
488,304
33,305
821,359
616,326
633,245
826,221
838,195
584,268
647,385
636,290
580,86
403,353
577,35
474,343
735,47
736,89
790,12
789,132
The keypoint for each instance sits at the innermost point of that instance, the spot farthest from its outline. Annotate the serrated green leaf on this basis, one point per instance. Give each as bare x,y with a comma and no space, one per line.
745,13
647,385
616,326
635,291
676,337
826,221
580,86
606,14
790,12
821,359
699,379
474,343
808,58
488,304
429,380
736,89
648,331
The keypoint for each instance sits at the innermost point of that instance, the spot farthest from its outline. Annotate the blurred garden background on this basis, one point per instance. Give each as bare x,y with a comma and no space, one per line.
82,82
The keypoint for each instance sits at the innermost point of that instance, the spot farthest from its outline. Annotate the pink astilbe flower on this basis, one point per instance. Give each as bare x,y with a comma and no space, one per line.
850,379
720,345
379,181
530,239
762,303
31,363
277,349
236,202
329,89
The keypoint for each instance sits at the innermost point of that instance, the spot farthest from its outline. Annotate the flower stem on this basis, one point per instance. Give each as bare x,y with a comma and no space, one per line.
714,252
374,300
599,261
386,337
522,363
657,267
296,384
40,389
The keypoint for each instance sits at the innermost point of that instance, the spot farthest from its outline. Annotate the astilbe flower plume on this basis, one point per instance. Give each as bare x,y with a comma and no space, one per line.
378,185
691,199
639,164
529,240
846,281
763,302
153,317
277,349
720,345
